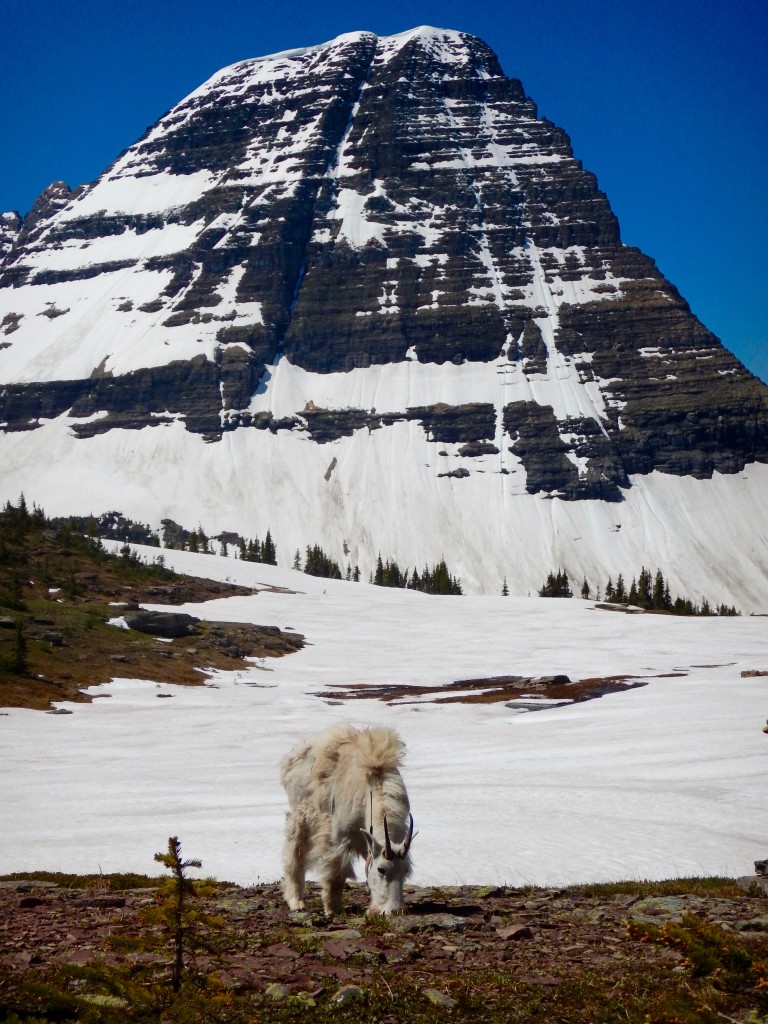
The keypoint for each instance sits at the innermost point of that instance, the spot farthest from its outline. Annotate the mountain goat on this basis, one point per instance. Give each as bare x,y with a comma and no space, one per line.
347,800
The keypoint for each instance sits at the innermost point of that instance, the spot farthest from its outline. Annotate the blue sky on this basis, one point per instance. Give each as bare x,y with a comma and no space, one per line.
664,101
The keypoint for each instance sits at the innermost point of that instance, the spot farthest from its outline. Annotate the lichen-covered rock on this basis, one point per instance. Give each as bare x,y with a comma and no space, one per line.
347,994
438,998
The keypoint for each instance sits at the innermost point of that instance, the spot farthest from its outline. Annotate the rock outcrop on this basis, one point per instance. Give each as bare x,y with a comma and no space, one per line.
10,227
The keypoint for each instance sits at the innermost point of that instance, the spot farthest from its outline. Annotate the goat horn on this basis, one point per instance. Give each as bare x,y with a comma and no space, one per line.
387,844
407,844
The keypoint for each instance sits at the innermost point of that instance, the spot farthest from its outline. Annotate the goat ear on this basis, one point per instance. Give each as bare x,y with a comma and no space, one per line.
374,846
402,851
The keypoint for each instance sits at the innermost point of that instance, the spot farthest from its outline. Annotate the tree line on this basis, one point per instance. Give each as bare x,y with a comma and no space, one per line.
434,579
431,579
649,590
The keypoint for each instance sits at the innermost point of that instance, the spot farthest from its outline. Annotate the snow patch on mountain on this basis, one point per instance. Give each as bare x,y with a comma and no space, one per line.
121,192
665,521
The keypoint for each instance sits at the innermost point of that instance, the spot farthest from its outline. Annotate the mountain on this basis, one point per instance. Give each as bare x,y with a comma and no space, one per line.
361,294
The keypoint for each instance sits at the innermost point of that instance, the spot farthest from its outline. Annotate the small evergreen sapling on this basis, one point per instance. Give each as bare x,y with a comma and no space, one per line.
181,886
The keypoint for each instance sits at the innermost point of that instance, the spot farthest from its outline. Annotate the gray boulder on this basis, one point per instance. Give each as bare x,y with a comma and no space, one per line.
166,624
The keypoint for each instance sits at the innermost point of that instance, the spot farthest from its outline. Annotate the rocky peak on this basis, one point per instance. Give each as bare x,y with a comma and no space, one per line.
52,199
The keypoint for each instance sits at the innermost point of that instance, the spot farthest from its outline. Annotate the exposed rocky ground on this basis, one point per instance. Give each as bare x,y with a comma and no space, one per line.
60,595
93,949
529,693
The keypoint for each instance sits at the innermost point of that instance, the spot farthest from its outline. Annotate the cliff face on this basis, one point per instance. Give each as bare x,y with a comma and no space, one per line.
332,241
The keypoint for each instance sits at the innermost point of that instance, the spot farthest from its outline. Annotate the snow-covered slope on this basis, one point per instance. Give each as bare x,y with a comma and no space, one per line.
362,295
382,494
664,780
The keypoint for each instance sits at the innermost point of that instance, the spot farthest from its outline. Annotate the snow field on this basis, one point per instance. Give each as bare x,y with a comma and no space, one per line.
663,780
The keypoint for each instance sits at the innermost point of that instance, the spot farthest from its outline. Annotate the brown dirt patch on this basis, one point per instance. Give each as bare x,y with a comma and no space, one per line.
490,690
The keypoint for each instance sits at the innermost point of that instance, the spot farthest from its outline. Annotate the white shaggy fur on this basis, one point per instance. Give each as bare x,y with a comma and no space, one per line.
341,784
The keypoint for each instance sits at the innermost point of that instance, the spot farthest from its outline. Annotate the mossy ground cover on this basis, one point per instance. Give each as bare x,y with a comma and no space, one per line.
97,950
58,591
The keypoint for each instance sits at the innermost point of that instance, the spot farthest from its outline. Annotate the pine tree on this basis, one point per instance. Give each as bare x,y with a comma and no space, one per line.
297,560
645,589
548,590
441,578
504,588
392,575
585,589
556,585
436,580
683,606
253,551
182,887
268,550
317,563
